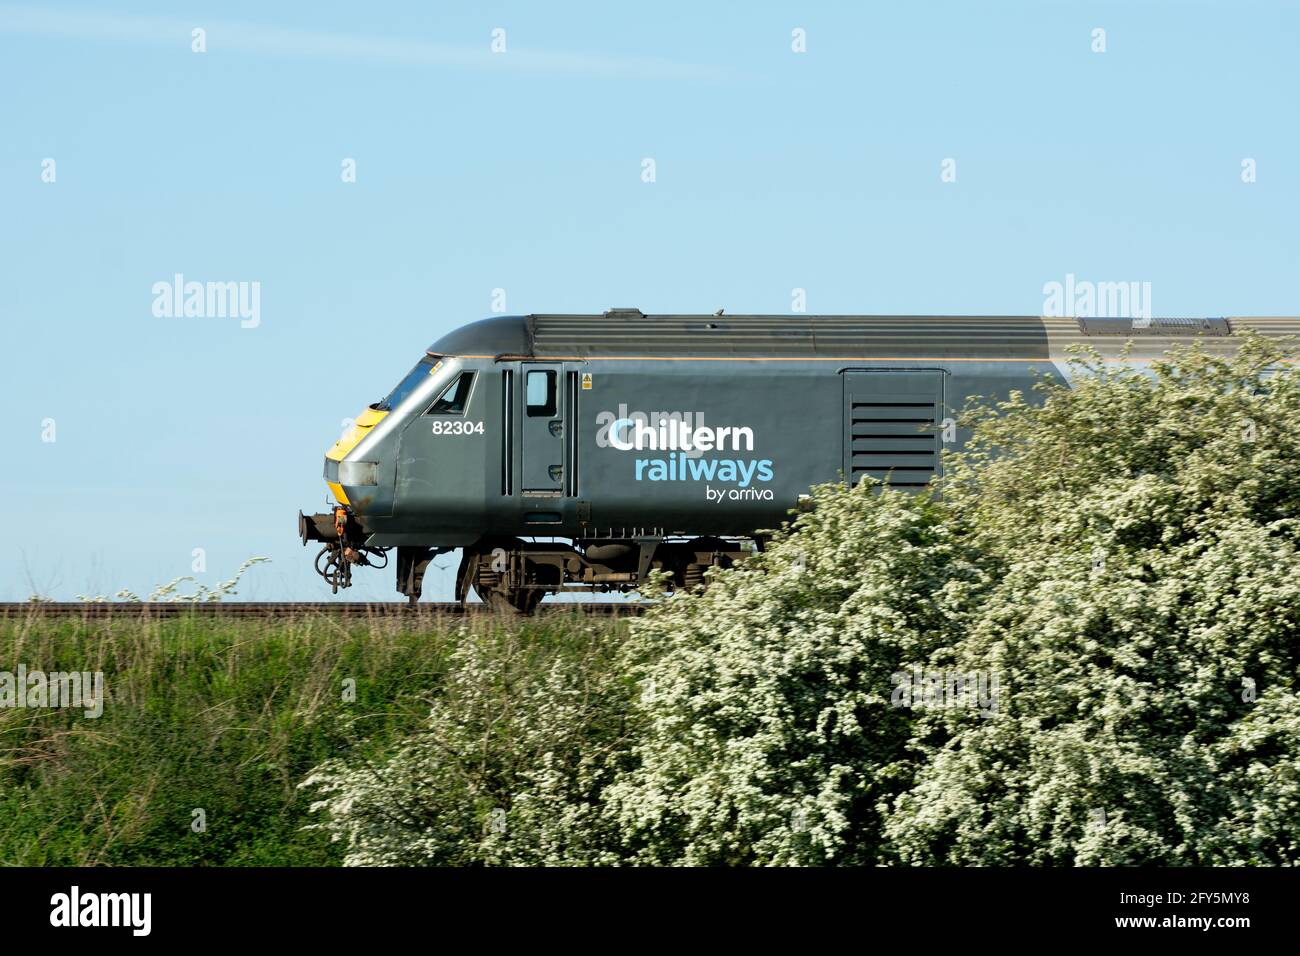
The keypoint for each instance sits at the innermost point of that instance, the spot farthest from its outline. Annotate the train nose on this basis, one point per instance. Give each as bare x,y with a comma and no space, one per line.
339,472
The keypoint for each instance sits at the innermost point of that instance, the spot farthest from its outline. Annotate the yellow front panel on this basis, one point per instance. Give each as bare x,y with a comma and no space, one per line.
357,431
367,420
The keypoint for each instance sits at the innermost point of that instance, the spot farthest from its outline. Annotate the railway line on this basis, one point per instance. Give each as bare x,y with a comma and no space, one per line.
122,610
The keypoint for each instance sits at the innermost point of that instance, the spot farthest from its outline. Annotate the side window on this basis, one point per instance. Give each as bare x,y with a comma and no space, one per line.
454,397
541,394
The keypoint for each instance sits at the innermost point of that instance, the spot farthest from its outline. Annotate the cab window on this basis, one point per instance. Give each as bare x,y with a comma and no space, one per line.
407,385
541,394
454,397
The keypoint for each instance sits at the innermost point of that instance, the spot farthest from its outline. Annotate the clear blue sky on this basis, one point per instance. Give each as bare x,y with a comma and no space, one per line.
523,171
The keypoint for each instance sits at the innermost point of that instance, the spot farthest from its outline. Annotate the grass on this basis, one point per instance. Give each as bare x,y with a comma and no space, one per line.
226,717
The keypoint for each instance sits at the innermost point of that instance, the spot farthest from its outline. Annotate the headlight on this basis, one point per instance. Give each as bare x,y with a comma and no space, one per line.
358,473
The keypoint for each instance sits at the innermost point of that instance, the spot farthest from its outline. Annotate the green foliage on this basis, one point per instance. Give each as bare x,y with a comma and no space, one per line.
205,714
524,732
1145,623
770,735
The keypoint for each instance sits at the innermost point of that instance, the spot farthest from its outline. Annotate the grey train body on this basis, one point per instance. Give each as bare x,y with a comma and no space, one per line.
568,452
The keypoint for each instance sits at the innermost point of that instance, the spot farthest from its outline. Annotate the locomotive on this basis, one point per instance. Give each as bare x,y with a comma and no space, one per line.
581,452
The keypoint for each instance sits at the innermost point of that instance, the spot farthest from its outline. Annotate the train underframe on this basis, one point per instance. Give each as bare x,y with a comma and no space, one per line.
513,575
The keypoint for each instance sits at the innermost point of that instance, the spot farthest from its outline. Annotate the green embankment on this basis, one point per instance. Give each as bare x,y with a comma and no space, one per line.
226,717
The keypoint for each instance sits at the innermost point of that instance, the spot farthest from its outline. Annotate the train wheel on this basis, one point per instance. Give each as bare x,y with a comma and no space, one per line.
692,575
489,581
511,600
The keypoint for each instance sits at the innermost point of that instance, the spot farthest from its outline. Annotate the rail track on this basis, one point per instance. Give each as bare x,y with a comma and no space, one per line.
123,610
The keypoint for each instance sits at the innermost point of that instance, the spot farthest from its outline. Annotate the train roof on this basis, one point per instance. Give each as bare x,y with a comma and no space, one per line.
628,333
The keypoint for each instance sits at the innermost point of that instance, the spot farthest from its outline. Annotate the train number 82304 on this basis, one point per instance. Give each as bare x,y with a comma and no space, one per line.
457,427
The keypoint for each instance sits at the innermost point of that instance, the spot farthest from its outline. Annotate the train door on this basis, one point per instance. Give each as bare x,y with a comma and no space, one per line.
542,429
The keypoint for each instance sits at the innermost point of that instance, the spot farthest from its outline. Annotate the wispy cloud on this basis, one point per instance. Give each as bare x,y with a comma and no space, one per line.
278,41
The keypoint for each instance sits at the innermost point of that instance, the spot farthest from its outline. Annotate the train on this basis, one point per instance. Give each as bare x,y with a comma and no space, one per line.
580,453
